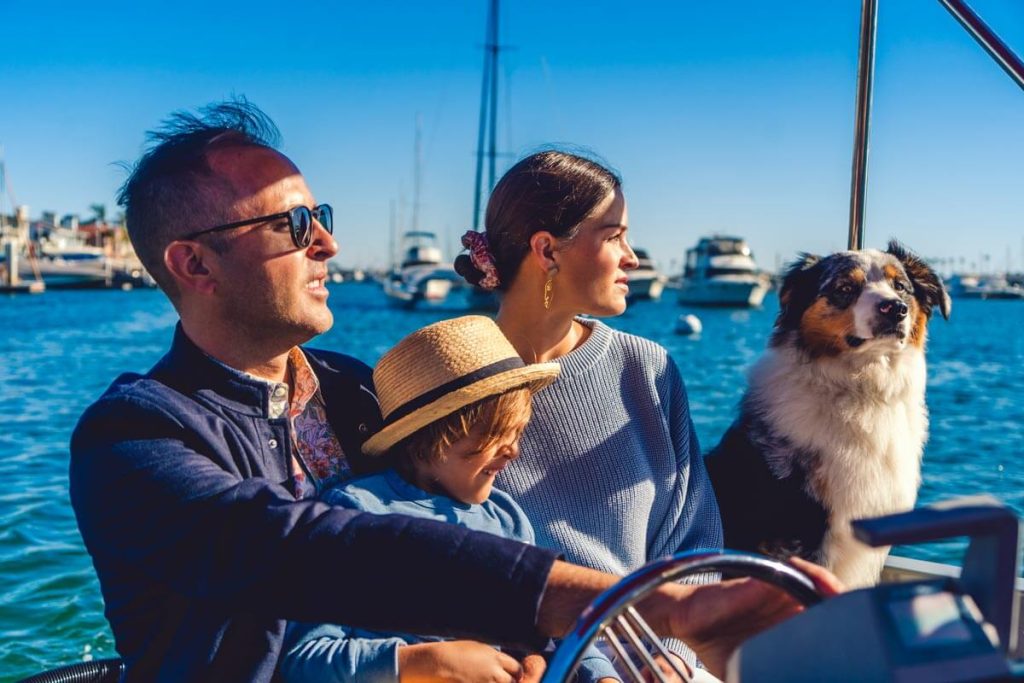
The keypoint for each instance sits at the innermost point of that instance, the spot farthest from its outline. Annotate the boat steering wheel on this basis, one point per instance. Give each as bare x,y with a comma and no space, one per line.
612,614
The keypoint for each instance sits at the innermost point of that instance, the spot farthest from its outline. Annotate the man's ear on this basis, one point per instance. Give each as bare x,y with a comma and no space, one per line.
543,249
189,264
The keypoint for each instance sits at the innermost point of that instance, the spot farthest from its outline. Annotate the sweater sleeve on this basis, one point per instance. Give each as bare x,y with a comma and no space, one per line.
330,653
157,514
699,524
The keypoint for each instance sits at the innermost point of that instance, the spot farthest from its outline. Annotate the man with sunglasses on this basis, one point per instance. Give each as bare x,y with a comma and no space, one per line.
194,484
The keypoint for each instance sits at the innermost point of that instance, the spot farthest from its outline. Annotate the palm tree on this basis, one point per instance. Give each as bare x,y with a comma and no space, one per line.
99,211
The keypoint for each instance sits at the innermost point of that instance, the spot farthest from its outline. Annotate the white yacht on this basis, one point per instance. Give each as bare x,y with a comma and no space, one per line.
720,271
422,275
645,282
68,246
963,286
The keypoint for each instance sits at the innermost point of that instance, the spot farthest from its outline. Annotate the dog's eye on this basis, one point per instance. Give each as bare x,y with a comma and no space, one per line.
899,286
846,289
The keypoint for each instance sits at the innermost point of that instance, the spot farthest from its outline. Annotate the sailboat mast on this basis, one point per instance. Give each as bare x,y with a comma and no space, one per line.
488,109
416,175
3,190
392,232
492,151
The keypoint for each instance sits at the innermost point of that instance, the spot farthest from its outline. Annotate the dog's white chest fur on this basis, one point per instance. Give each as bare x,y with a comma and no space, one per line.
858,423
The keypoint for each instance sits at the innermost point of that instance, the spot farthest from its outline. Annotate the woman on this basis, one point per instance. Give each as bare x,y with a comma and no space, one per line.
610,470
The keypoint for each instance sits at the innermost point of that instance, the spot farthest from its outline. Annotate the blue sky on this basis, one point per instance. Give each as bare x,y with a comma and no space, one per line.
721,116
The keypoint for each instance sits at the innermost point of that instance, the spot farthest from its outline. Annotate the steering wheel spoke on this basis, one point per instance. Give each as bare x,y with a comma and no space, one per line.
612,614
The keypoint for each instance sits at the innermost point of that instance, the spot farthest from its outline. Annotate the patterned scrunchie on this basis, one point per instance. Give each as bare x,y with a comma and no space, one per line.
483,260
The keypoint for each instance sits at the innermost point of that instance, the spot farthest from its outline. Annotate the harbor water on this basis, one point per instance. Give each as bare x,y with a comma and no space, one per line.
61,349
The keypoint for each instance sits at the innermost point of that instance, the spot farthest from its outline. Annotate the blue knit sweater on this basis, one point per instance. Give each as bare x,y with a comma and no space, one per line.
610,471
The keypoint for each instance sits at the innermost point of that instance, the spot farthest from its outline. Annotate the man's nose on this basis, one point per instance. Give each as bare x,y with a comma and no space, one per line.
323,245
893,309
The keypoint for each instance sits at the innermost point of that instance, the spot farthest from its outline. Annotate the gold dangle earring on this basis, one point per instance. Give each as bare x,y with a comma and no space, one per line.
549,287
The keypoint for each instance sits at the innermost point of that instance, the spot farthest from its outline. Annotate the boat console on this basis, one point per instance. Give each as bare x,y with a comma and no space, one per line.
930,630
936,629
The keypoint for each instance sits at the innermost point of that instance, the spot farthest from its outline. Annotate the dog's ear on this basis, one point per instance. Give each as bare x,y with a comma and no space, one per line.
799,289
928,288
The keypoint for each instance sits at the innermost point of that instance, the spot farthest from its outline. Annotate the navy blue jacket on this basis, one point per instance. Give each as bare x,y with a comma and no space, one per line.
202,554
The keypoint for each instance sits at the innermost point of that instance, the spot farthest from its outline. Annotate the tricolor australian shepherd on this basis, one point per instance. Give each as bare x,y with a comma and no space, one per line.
833,423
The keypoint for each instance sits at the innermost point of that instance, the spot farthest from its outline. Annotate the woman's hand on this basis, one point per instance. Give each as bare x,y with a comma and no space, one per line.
463,661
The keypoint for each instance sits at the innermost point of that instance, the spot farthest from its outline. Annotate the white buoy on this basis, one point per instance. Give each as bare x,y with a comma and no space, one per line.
688,324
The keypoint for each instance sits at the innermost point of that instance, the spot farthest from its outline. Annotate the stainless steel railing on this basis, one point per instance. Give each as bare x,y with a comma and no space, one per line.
973,24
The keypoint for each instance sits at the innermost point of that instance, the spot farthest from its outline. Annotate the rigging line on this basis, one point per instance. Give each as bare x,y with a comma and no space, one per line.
508,108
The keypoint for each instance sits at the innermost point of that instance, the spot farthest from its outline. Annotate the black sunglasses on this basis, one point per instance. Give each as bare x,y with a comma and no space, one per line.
300,222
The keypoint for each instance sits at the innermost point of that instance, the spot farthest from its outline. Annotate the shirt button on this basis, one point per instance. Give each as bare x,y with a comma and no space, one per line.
272,443
279,391
363,428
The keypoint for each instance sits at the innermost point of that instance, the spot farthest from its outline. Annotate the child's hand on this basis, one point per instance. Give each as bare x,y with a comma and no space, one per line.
668,673
533,669
456,661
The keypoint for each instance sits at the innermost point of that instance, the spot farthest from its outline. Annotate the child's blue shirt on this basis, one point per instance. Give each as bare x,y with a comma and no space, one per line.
333,653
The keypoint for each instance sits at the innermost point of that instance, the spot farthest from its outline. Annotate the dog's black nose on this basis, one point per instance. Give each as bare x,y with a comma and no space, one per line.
893,309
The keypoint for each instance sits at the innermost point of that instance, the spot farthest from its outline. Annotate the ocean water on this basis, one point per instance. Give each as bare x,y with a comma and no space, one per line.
60,350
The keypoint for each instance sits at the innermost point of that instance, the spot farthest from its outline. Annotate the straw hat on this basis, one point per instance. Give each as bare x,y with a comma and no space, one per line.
443,367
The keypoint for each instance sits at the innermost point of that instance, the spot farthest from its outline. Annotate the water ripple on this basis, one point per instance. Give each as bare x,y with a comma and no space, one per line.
53,367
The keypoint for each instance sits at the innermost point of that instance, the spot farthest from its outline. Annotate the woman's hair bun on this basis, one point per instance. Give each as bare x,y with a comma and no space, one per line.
464,267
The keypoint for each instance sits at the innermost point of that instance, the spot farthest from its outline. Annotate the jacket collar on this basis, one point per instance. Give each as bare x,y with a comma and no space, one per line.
190,370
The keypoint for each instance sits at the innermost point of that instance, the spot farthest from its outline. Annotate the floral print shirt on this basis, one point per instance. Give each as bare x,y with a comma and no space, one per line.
317,460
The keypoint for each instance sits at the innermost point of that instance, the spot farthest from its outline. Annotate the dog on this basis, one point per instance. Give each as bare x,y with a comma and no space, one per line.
833,423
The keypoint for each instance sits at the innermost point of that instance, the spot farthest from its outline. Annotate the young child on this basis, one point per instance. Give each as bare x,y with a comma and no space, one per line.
455,397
